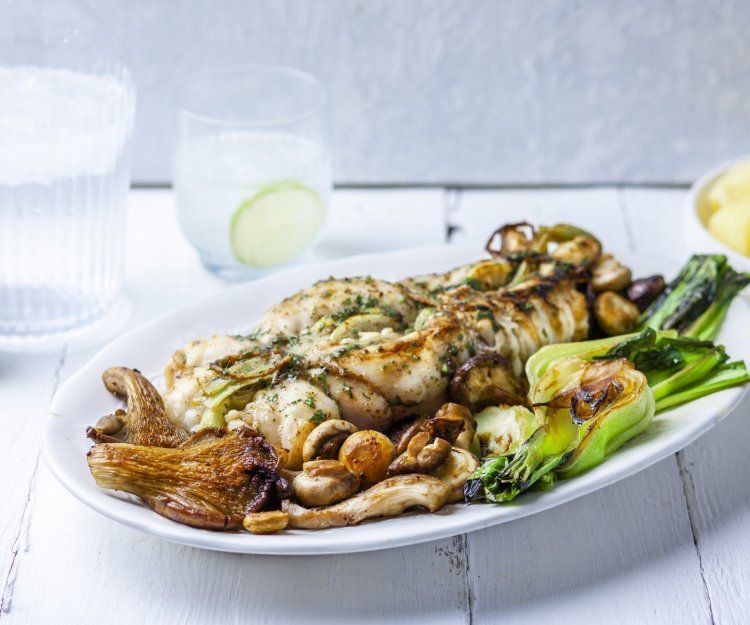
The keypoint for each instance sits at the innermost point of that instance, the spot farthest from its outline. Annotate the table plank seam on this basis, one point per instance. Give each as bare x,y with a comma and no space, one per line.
452,203
468,590
629,232
688,491
6,598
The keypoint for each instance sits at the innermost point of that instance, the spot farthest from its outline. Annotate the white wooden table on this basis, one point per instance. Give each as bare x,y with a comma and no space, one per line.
669,545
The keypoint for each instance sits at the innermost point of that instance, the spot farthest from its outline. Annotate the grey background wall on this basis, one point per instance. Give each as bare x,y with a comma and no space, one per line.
472,91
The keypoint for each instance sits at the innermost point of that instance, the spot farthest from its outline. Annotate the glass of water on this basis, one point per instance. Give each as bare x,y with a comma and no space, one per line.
66,116
252,167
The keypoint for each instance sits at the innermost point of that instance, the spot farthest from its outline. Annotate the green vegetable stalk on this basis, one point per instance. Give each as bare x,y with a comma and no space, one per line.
592,397
696,302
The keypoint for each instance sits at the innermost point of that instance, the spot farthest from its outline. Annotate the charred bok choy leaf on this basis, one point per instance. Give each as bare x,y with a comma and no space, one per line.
592,397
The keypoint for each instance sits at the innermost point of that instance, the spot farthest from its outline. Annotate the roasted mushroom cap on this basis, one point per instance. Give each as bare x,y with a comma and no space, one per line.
645,290
324,442
615,314
486,379
145,422
212,481
324,482
608,274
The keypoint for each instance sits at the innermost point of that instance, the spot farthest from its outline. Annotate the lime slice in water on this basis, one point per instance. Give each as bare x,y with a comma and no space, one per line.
276,225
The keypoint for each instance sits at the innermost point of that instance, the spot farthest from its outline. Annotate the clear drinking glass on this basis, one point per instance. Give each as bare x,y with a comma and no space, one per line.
66,116
252,167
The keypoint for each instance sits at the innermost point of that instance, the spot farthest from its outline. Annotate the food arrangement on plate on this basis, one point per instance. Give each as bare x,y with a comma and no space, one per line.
358,398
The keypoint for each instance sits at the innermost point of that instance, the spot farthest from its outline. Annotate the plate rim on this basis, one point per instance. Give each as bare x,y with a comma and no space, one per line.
344,543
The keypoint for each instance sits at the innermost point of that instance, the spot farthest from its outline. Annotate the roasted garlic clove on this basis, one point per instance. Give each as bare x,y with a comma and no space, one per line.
145,422
213,481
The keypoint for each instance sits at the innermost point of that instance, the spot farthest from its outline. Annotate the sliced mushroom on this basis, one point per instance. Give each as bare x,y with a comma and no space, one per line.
324,482
455,470
421,455
388,498
581,250
615,314
324,442
145,422
455,411
486,379
608,274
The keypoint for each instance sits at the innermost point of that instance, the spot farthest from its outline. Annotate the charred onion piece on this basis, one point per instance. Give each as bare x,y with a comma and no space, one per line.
213,481
145,422
486,379
390,497
513,239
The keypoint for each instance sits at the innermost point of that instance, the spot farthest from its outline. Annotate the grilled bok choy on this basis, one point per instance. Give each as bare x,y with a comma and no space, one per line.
696,302
589,398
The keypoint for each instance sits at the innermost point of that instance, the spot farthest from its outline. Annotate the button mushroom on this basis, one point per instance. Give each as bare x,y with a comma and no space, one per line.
367,453
324,482
325,441
615,314
645,290
608,274
580,250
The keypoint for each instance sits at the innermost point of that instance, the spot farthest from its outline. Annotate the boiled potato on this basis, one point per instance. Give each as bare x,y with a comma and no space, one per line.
367,453
731,225
731,186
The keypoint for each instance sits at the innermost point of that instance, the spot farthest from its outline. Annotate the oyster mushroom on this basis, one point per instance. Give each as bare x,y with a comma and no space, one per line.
145,422
213,481
324,482
324,442
455,470
390,497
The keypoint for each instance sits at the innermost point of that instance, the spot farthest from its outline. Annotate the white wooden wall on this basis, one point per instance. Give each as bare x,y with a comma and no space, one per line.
472,91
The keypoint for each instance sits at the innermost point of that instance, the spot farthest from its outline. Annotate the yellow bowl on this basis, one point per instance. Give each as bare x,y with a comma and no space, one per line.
699,239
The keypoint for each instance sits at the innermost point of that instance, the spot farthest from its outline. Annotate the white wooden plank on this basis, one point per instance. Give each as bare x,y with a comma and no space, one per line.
478,213
655,221
110,570
624,554
715,469
88,568
27,383
374,220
